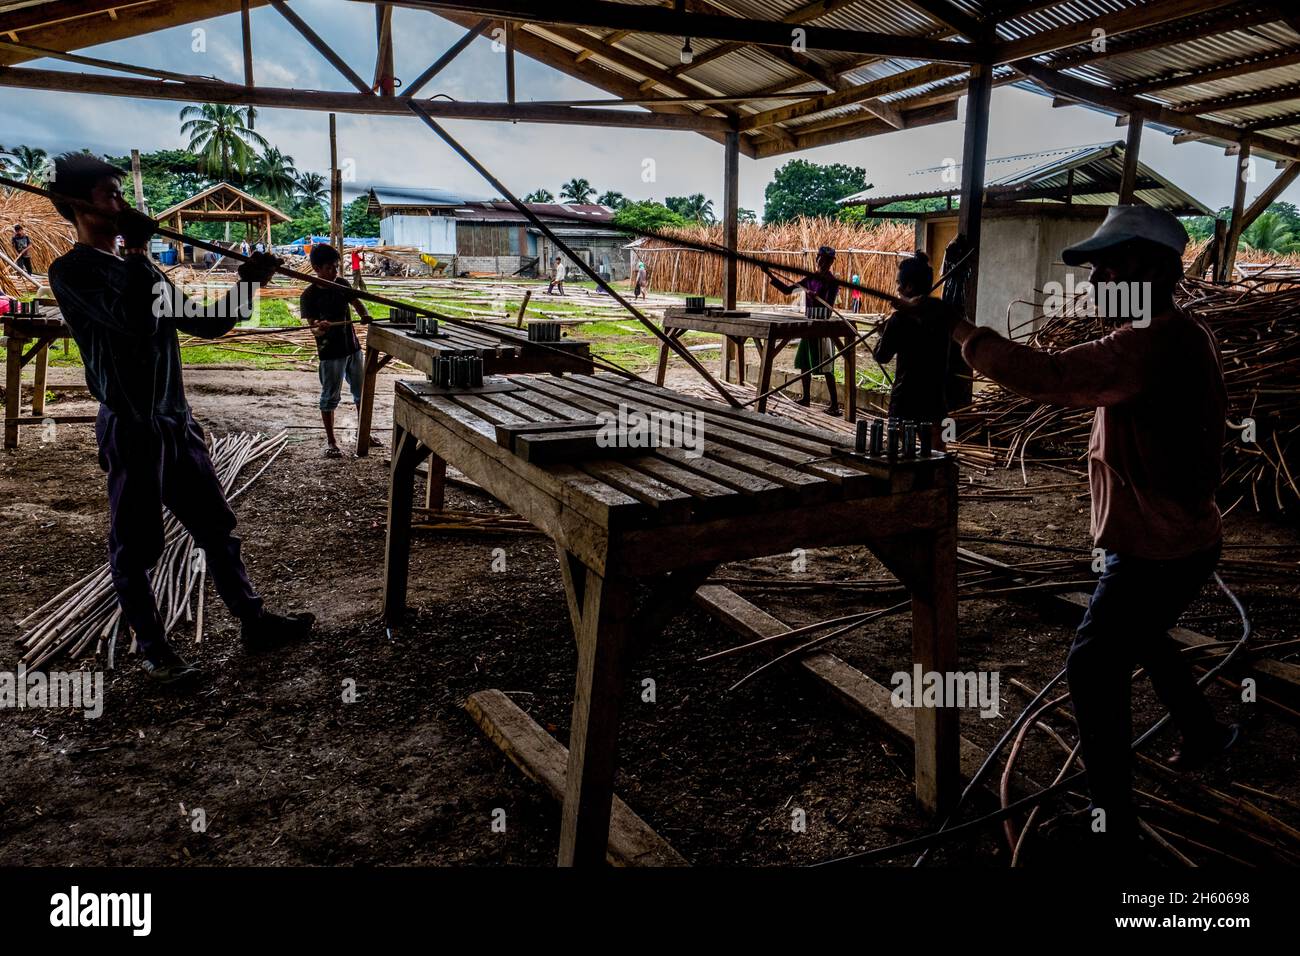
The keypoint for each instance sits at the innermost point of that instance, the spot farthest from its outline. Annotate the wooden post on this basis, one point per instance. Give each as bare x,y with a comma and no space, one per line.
41,362
510,61
407,453
970,213
730,231
385,84
1131,148
13,387
1236,225
137,180
366,413
336,190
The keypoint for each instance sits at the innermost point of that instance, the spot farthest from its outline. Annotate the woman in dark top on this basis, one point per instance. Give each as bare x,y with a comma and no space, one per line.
919,339
820,291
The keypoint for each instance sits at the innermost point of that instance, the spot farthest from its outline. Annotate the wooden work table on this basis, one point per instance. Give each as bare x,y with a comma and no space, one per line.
503,351
665,519
27,339
771,332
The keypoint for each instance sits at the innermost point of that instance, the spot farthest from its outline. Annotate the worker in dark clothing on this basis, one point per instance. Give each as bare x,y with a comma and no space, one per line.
1154,461
21,243
125,315
919,338
814,354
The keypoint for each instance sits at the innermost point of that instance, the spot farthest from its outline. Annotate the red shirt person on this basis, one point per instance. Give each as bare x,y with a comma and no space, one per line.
1154,466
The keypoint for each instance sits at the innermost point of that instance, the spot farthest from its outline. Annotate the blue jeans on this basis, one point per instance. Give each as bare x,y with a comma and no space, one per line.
332,373
1127,623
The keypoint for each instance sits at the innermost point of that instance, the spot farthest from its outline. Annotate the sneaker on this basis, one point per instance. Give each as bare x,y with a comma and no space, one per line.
1196,756
331,451
171,670
275,630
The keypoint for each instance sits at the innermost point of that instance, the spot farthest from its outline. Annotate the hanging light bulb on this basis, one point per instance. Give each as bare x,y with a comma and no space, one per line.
688,55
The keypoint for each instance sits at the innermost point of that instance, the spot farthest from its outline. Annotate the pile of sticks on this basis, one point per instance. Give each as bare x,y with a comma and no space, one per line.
84,617
1259,336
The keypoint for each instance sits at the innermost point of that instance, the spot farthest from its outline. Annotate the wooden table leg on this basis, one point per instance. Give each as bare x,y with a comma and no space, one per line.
850,380
662,370
42,360
740,360
934,647
13,388
367,410
603,651
766,354
435,485
407,453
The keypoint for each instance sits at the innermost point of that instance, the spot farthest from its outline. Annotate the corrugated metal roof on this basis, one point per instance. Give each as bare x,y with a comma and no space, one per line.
1097,169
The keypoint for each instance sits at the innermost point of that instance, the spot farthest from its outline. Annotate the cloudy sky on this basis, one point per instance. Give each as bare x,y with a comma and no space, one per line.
399,151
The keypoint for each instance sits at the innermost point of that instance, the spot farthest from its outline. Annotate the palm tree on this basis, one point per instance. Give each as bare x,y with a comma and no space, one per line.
312,188
698,209
1268,233
29,164
273,173
540,195
612,198
222,137
577,191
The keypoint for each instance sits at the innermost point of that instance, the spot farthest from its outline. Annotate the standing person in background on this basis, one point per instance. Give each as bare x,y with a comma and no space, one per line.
337,345
244,247
919,338
557,277
642,282
820,291
855,296
21,243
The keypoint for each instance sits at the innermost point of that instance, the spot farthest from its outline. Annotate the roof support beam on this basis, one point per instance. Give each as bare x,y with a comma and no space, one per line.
1220,71
439,64
950,16
1128,184
1076,89
925,116
323,48
1134,18
1280,94
365,103
1235,226
669,22
857,94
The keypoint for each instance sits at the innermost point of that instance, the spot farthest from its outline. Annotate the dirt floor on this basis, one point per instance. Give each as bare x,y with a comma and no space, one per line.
287,773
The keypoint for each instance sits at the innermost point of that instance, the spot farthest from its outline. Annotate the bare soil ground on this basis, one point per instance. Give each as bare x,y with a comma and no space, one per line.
289,774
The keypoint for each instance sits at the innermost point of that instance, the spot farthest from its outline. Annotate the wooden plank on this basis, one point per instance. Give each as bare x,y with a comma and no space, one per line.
846,684
796,484
544,760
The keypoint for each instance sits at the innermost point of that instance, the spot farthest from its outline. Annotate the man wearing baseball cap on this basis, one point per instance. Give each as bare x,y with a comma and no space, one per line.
1154,465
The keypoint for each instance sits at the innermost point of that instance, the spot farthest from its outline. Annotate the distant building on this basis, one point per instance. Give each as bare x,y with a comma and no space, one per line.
491,236
1035,205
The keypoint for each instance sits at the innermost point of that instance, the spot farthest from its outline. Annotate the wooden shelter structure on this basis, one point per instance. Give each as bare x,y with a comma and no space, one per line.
225,203
766,78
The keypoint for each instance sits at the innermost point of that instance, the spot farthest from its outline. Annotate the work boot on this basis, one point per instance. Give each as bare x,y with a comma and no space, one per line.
1197,755
270,631
168,669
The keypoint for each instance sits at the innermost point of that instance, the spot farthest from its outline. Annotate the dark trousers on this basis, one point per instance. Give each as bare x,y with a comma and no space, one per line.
149,465
25,263
1127,624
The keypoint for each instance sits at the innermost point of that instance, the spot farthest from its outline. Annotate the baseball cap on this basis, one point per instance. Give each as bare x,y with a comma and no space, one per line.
1124,223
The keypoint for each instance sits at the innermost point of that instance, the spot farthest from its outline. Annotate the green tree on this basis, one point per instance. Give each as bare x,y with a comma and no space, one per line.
168,176
1268,233
222,138
312,188
800,188
746,215
311,221
858,214
357,220
611,198
274,176
577,191
540,195
29,164
647,215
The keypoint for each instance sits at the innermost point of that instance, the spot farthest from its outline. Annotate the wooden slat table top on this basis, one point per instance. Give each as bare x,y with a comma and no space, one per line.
762,325
501,343
751,463
48,323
